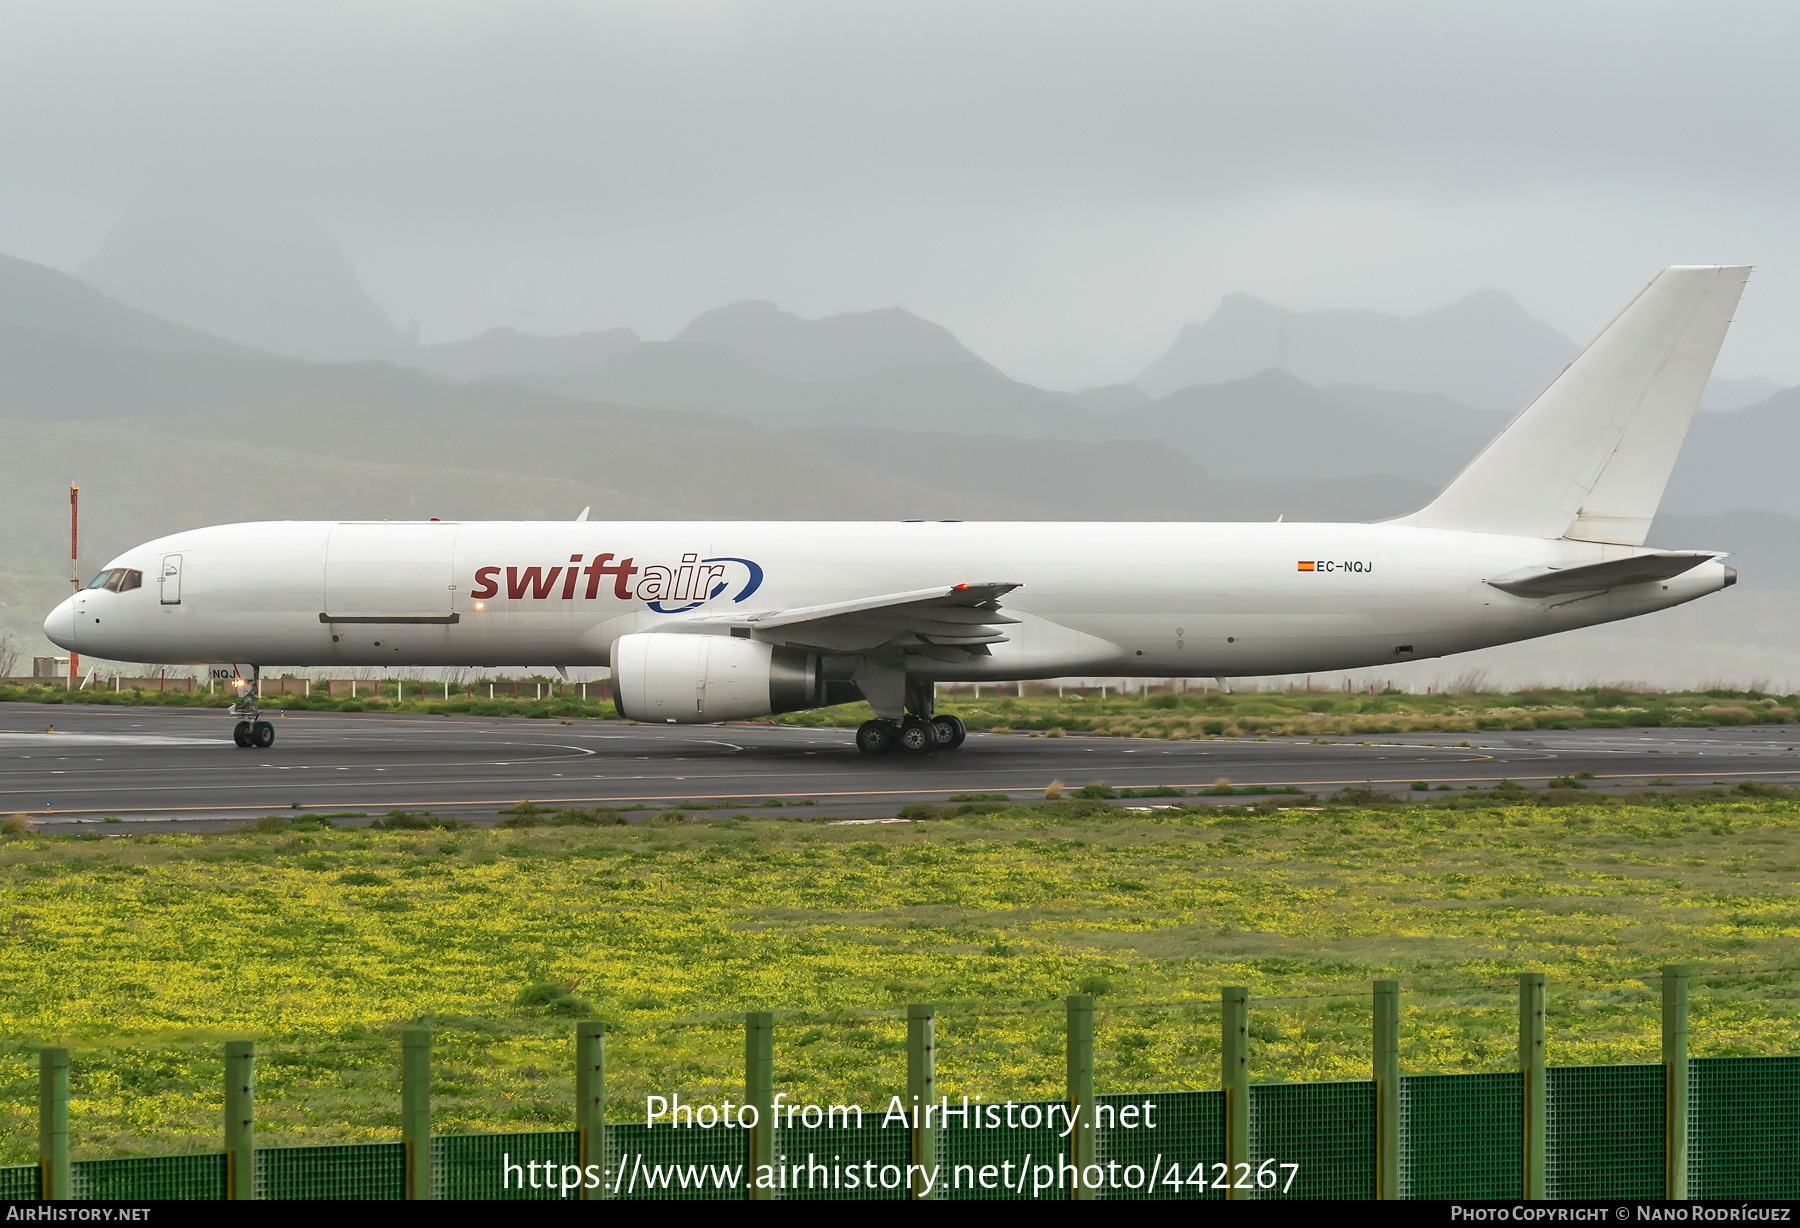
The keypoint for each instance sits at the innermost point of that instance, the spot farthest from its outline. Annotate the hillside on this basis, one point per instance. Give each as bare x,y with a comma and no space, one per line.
1483,351
507,351
831,348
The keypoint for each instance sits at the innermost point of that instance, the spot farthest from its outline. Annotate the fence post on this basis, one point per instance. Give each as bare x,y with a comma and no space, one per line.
921,1090
415,1110
1081,1089
240,1119
759,1096
590,1100
1387,1089
1531,1075
1675,1080
53,1124
1234,1076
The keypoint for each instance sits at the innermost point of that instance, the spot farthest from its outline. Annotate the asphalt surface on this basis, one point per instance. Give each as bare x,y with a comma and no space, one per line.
70,767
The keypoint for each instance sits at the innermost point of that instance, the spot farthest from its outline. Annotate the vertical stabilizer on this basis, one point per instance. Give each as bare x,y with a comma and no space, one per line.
1590,457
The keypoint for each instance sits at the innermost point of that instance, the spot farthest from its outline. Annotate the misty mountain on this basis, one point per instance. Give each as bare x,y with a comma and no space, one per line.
1740,460
1483,351
1110,398
1276,426
832,348
40,302
506,351
958,398
1724,395
1056,479
262,275
1764,546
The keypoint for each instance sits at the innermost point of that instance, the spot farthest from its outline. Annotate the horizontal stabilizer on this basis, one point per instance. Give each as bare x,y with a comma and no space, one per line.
1639,569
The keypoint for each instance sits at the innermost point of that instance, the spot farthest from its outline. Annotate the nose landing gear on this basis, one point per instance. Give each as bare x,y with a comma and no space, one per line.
251,731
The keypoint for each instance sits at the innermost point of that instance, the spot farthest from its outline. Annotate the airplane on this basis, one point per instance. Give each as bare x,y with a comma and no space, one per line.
704,622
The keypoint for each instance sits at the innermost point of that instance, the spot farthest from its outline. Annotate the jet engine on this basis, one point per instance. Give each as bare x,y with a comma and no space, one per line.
679,679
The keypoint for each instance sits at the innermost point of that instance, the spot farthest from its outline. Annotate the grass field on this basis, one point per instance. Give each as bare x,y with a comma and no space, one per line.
143,953
1164,715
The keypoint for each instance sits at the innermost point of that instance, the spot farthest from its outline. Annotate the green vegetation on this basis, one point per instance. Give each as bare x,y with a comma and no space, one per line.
1165,715
143,953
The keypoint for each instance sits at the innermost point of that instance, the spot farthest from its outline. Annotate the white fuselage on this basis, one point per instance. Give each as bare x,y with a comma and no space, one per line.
1188,600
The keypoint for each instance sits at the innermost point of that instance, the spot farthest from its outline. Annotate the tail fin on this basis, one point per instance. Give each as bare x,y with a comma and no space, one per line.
1589,458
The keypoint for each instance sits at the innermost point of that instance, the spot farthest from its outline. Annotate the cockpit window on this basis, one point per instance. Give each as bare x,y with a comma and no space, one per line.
118,579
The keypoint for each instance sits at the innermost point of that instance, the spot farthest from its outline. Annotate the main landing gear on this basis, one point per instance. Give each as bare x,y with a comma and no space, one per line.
918,733
251,731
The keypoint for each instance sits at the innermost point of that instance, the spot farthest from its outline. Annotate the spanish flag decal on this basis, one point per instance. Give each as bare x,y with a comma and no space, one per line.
1308,565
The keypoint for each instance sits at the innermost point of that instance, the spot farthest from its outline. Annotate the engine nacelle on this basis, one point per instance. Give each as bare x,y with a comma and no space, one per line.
695,679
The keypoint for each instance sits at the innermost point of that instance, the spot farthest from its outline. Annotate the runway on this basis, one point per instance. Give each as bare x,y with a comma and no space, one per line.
178,766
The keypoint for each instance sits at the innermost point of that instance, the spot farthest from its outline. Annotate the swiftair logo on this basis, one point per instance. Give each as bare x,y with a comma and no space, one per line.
665,589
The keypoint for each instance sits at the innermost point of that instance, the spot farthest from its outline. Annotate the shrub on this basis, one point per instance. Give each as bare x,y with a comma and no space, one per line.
16,825
401,820
522,814
1094,984
599,816
1098,788
1420,786
303,822
553,998
1054,792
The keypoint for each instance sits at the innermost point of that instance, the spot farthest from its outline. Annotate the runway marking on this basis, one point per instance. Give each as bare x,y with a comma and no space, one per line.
704,797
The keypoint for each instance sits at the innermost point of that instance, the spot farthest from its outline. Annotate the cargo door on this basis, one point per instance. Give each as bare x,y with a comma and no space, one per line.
390,572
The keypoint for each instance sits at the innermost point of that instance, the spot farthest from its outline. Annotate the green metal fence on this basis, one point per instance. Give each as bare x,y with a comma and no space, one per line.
819,1158
1177,1157
1327,1129
500,1166
19,1183
1605,1136
1744,1127
681,1164
150,1178
352,1171
1609,1132
1461,1136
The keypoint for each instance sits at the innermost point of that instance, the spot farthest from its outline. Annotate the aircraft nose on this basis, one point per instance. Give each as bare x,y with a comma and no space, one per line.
59,628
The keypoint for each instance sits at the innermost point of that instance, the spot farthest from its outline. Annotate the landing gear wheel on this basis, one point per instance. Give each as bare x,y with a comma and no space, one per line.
262,735
950,732
918,737
241,734
876,737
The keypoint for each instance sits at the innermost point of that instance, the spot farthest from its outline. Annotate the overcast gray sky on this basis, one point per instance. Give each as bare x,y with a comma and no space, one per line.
1061,184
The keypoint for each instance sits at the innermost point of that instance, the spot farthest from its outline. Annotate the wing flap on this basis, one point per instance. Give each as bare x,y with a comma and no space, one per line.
959,616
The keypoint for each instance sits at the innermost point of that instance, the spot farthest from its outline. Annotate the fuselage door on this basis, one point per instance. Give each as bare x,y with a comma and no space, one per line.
169,580
389,571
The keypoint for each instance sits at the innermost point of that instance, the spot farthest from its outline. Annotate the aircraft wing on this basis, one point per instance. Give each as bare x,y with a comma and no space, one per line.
961,618
1638,569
